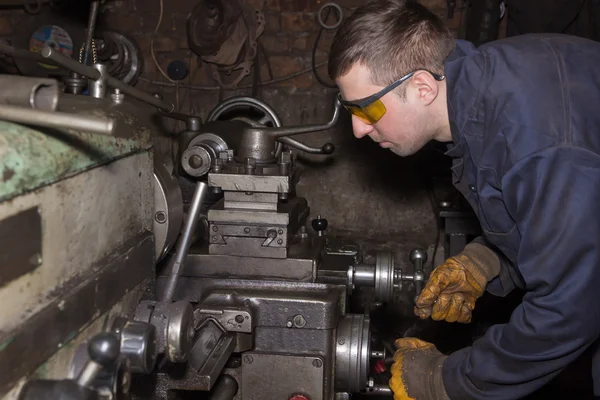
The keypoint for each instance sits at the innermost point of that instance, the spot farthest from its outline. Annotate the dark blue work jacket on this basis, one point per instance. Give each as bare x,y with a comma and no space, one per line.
525,120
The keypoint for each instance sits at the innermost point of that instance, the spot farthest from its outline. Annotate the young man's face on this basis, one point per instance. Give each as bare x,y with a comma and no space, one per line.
407,124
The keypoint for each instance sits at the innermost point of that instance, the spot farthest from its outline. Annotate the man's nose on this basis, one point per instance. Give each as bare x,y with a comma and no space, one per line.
360,128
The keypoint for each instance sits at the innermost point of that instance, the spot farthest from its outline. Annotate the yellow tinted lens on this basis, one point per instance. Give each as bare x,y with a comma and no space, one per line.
369,114
375,111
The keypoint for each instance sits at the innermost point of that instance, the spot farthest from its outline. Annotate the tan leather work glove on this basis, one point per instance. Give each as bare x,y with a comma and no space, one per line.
455,285
417,371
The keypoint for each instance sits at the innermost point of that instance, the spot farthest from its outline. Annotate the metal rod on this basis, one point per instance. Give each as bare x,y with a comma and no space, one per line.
69,63
94,74
299,129
380,390
325,149
50,119
185,241
23,54
89,34
38,93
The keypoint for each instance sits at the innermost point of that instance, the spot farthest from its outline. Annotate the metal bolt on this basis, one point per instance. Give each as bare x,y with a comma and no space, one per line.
289,324
250,165
160,217
248,359
36,260
299,321
215,228
214,238
280,231
195,161
341,342
280,241
246,230
239,318
317,363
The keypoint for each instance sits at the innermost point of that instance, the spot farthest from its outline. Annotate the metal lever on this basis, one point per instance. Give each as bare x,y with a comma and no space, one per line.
418,257
283,131
104,349
327,148
92,73
185,241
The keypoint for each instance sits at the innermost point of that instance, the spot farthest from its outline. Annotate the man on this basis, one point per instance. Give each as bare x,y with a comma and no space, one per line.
522,119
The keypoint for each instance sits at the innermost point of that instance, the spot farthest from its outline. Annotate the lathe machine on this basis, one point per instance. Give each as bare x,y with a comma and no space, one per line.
128,275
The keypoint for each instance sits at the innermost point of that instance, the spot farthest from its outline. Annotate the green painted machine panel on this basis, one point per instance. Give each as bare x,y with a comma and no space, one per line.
32,158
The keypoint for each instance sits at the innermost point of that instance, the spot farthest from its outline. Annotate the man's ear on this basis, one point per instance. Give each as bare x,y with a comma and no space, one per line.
425,87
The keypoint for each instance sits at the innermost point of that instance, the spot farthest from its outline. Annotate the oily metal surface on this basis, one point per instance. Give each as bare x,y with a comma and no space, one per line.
281,376
26,347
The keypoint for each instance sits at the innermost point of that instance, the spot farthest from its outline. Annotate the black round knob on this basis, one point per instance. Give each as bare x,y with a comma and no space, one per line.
328,148
104,348
319,224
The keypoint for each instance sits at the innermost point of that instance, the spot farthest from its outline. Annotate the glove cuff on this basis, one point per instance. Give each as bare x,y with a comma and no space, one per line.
438,392
482,262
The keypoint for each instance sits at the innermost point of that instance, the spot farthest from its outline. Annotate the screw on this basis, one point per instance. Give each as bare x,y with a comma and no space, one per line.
280,231
279,241
239,319
317,363
248,359
341,342
214,238
246,230
289,324
160,217
299,321
215,228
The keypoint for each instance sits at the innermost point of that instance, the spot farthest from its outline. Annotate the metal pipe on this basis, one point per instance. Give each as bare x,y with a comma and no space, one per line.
38,93
50,119
225,389
94,74
185,241
89,34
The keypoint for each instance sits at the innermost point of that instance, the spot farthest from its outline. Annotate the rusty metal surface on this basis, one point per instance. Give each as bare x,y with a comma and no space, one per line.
21,238
30,158
25,348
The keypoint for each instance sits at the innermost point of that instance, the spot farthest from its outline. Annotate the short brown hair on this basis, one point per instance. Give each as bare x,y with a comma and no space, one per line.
391,38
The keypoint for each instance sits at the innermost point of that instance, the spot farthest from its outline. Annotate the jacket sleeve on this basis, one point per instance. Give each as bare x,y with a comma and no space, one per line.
508,279
554,197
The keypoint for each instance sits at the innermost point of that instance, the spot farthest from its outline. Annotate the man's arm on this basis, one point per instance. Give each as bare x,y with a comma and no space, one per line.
508,279
554,196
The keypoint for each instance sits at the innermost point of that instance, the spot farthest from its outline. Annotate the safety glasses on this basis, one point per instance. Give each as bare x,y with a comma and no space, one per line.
371,109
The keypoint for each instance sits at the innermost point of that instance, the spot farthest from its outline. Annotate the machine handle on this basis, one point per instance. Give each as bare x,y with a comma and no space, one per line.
283,131
327,148
418,257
